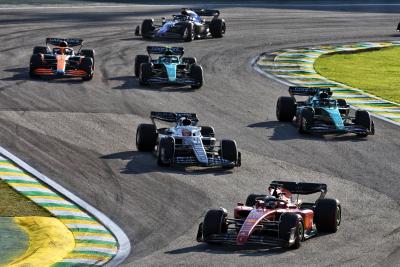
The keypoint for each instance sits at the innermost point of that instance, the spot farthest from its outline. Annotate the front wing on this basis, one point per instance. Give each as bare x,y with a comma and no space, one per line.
230,238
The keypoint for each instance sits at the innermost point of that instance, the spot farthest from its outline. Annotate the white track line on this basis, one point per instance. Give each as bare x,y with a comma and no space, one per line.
124,246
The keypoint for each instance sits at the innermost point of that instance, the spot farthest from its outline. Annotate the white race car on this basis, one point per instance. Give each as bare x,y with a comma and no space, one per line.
185,143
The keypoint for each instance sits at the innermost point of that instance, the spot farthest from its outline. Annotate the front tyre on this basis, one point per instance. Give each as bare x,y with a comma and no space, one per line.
229,152
146,137
291,229
188,33
166,151
146,73
87,66
196,73
214,223
285,108
139,59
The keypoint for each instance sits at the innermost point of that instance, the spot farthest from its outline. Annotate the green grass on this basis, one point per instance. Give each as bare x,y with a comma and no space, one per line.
13,204
375,72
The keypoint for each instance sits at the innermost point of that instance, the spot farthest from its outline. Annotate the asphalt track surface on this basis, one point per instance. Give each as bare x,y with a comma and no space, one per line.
81,134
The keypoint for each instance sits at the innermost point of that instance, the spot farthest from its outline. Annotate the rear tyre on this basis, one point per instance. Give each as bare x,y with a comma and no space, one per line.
364,119
214,223
139,59
252,199
285,108
147,27
146,137
288,221
88,53
87,66
207,131
189,60
145,73
305,120
217,28
40,50
327,215
166,151
196,73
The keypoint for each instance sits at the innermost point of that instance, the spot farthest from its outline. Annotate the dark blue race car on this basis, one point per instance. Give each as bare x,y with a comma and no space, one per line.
187,26
320,113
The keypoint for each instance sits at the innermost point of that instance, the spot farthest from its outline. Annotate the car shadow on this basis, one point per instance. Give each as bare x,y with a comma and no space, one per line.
244,251
145,162
131,83
288,131
22,74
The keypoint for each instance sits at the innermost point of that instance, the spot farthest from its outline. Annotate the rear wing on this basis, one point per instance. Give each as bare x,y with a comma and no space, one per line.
70,41
301,188
308,91
161,50
205,12
172,117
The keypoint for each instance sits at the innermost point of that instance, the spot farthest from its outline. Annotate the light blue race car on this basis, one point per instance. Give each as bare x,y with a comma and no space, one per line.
320,113
169,68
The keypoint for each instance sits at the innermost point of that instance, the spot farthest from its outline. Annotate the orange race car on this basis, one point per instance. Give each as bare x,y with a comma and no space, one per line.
61,60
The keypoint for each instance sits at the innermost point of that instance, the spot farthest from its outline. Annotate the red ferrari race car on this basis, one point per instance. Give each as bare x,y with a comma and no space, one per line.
62,60
278,218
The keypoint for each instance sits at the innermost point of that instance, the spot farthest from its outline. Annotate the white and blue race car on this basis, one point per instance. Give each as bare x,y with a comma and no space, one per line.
187,26
185,142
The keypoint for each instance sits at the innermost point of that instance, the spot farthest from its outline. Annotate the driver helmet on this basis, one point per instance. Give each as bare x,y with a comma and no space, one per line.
186,122
63,44
184,12
271,202
168,53
323,95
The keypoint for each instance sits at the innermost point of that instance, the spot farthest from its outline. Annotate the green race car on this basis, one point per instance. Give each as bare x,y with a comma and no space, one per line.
320,113
169,68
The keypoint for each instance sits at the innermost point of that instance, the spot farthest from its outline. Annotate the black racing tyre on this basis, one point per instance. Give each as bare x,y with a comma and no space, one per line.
285,108
196,73
343,107
217,28
251,199
306,120
327,215
36,61
40,50
166,151
207,131
147,27
188,33
87,66
139,59
364,119
214,223
342,103
287,222
229,151
88,53
189,60
146,137
146,72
